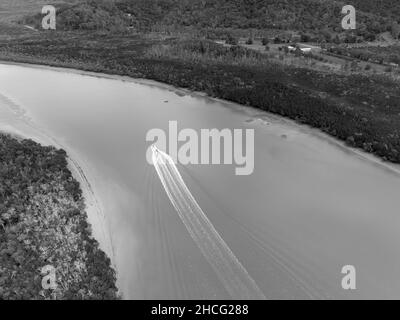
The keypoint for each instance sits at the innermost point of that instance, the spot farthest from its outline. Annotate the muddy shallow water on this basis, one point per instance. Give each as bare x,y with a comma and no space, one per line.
310,207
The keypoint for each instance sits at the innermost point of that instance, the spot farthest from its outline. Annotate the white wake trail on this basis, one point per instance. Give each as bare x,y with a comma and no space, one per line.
230,271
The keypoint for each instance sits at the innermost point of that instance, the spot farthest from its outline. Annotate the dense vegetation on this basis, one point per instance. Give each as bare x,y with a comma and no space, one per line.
85,15
315,19
385,8
303,15
382,55
43,222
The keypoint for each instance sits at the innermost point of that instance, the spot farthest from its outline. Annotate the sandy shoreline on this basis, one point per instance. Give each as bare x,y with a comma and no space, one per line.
91,254
94,206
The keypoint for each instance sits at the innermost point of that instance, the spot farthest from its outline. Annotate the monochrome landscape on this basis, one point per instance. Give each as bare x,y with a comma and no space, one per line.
199,150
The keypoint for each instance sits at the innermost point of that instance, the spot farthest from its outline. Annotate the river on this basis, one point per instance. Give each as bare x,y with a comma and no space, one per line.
311,206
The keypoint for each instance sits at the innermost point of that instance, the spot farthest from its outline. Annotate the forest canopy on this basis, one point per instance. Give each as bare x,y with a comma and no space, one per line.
316,16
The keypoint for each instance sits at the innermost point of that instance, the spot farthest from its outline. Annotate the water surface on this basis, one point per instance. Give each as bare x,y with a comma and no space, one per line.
310,207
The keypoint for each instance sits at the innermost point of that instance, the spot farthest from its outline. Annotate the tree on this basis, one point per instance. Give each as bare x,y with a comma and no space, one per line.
249,41
298,52
232,40
305,37
354,66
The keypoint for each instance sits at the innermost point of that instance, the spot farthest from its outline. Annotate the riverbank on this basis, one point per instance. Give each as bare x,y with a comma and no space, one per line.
77,171
43,222
310,192
361,110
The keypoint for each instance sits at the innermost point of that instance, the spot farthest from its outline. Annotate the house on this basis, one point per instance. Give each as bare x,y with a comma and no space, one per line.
308,48
302,48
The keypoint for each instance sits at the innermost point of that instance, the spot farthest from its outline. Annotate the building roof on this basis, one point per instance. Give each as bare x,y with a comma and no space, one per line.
306,45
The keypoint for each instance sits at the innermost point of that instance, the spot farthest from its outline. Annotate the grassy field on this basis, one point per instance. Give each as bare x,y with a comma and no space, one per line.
381,54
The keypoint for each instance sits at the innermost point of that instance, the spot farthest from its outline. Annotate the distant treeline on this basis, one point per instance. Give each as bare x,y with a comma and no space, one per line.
319,17
88,15
259,14
384,8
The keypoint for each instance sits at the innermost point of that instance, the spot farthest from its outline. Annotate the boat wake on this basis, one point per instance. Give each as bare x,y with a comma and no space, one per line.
230,271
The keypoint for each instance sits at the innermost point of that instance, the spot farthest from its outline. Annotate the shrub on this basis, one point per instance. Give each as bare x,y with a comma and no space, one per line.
265,41
232,40
249,41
